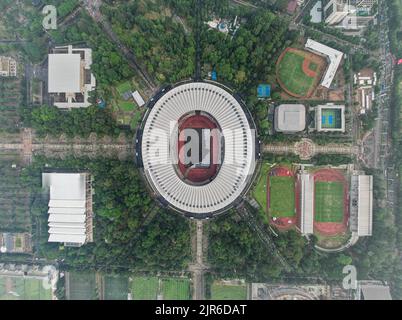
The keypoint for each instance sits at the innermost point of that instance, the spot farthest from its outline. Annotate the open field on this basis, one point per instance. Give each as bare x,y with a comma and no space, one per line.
220,291
145,288
298,72
19,288
329,201
282,196
176,289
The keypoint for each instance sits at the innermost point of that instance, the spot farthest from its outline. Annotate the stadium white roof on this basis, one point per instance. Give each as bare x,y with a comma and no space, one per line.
159,148
365,206
306,203
290,118
64,73
334,57
67,211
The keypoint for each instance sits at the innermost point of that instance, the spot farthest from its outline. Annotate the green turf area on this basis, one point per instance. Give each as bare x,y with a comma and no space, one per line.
145,288
292,76
328,200
282,197
82,286
124,87
116,288
228,292
331,119
260,190
313,66
176,289
19,288
126,105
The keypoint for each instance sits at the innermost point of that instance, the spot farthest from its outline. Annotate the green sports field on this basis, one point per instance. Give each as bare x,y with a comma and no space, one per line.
282,197
329,202
221,291
176,289
260,190
116,287
292,76
82,286
145,288
18,288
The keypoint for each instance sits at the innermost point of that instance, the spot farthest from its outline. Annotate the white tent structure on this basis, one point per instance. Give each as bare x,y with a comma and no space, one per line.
70,207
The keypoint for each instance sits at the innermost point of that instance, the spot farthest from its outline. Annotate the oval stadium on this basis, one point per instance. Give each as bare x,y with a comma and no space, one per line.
197,149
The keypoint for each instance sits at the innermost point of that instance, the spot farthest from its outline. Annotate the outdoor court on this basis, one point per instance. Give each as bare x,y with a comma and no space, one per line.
330,119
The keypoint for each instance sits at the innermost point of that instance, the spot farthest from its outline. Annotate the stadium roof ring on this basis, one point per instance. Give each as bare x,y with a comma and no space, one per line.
161,148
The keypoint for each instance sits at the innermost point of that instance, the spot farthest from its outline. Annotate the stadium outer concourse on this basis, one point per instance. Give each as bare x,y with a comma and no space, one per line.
227,149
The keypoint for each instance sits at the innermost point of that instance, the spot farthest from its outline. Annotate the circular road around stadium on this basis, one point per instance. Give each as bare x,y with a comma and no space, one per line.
159,149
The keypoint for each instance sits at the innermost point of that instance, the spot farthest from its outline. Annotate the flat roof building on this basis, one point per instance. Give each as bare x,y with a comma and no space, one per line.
335,11
290,118
330,118
70,207
306,182
365,206
8,67
372,290
69,77
334,58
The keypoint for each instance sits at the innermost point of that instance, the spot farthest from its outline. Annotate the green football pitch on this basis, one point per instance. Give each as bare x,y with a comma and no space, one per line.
292,76
228,292
282,197
176,289
329,202
18,288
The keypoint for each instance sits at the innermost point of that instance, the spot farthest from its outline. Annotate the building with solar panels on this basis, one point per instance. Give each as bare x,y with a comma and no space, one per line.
198,149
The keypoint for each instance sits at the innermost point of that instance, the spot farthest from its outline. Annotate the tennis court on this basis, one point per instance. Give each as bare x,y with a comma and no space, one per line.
116,287
331,119
20,288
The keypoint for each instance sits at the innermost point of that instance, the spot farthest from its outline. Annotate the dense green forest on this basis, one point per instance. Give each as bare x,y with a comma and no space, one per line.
76,122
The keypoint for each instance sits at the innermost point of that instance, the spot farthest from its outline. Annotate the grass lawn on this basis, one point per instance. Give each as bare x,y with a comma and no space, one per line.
126,106
260,190
145,288
176,289
228,292
124,87
282,197
292,76
328,201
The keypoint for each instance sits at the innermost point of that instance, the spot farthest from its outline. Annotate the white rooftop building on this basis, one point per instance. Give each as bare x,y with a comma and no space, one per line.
69,77
290,118
306,182
70,207
160,148
335,10
365,206
333,56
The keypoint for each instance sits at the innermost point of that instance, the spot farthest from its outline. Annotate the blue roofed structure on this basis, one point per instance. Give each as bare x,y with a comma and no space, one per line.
264,91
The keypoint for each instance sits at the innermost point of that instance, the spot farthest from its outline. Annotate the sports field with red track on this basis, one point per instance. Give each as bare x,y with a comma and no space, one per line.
281,197
331,202
198,175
